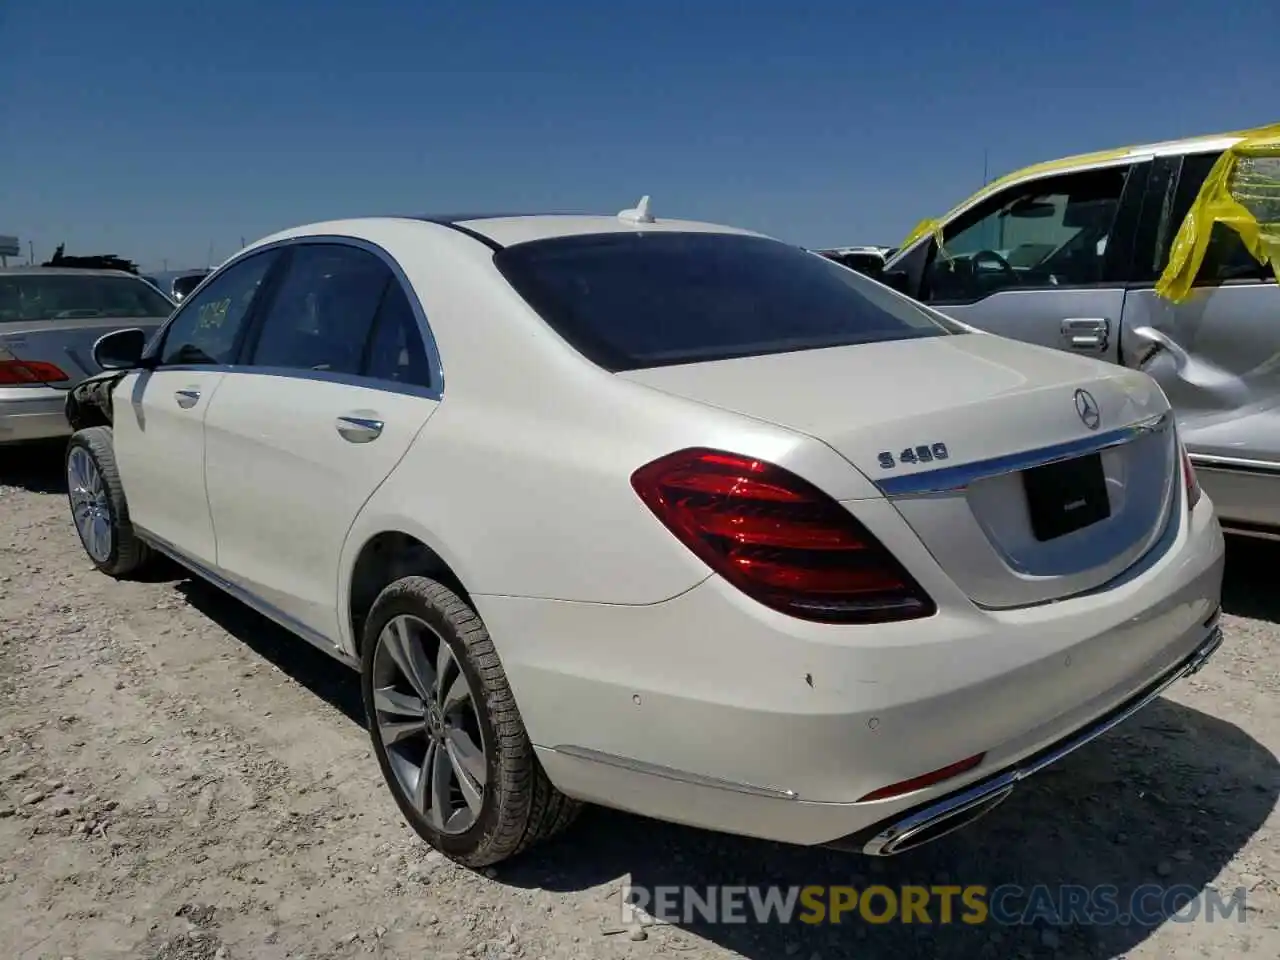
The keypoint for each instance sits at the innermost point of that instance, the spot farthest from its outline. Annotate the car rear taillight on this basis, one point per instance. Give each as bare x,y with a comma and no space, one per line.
1189,478
778,538
16,372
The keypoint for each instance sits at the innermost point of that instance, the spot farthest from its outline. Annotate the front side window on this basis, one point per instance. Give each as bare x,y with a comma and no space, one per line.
646,299
55,294
1046,234
322,313
207,326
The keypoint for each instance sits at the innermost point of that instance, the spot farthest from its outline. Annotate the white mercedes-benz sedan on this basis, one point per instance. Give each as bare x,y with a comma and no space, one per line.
661,515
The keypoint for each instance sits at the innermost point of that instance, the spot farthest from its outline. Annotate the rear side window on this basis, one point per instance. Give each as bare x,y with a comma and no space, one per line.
395,351
55,295
1226,257
633,300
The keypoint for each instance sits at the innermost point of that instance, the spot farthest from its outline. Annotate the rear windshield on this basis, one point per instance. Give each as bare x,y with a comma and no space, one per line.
64,296
634,300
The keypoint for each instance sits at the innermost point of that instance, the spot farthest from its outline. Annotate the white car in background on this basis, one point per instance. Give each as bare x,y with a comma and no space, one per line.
661,515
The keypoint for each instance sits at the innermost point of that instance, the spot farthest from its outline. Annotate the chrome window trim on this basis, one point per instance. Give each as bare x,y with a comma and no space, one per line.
950,479
435,391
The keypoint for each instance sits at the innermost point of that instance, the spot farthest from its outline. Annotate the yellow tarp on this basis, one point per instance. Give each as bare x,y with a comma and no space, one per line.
1242,192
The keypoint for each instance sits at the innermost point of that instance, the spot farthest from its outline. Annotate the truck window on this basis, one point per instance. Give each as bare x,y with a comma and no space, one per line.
1226,258
1050,233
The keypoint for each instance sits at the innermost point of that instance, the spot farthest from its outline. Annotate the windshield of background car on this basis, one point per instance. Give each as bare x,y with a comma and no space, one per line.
55,296
184,285
632,300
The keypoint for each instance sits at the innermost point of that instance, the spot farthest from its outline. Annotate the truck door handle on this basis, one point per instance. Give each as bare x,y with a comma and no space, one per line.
359,429
1086,333
187,398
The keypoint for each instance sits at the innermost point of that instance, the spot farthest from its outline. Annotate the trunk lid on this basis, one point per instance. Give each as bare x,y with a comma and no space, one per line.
66,343
952,430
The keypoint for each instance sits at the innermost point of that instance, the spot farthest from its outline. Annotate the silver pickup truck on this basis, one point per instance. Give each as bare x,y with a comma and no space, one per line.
1158,257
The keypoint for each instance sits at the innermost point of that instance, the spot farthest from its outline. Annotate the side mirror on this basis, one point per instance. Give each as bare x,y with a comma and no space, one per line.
897,279
120,349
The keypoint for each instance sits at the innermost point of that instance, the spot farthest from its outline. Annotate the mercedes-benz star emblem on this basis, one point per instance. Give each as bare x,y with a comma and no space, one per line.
1087,409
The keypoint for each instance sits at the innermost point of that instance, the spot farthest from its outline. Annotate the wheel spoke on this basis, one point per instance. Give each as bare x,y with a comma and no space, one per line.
456,695
444,663
424,777
440,771
472,791
102,536
396,731
390,700
409,656
466,755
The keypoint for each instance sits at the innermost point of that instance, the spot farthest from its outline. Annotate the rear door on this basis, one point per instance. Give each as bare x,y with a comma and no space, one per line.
1217,354
1042,261
335,387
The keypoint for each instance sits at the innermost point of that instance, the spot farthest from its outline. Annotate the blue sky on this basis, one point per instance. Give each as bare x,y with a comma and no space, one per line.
157,129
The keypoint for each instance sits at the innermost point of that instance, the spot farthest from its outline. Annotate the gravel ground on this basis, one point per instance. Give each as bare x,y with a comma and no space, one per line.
180,779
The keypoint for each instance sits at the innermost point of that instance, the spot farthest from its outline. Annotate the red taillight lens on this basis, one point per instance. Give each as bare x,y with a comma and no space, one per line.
1189,478
14,372
778,538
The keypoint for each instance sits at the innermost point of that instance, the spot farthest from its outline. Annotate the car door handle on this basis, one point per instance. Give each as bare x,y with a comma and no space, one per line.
187,398
359,429
1086,333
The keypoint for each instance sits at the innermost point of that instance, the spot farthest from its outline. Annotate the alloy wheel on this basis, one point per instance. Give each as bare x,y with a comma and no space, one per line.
426,718
89,506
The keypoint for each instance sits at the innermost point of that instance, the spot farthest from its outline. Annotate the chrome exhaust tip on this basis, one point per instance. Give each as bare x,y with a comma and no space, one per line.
938,820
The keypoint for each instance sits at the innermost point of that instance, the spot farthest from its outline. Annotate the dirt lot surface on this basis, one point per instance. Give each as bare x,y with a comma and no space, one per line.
180,779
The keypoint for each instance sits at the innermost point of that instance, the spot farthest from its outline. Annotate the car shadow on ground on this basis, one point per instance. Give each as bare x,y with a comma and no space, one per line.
1249,590
309,666
1167,799
35,466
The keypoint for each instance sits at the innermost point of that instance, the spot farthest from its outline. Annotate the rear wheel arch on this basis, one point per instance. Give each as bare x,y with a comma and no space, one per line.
385,558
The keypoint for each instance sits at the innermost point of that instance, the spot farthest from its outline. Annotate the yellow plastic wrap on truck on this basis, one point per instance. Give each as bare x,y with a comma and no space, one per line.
1242,192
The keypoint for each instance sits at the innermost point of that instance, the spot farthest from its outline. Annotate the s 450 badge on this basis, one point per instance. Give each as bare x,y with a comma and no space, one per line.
925,453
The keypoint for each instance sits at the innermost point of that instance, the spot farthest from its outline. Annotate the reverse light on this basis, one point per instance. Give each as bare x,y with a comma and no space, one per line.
19,372
778,538
1190,479
924,780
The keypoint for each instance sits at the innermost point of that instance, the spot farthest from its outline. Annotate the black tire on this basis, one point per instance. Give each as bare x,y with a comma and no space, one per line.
128,554
520,807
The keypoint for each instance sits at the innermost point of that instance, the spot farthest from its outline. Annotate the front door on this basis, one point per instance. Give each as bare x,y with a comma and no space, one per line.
1041,261
335,388
159,414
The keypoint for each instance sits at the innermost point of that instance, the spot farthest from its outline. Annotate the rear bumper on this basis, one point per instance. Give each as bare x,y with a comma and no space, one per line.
32,413
940,817
710,711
